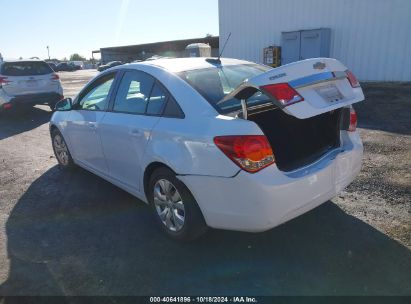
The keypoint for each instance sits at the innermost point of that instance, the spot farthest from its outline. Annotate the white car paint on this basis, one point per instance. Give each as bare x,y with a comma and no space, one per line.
120,147
258,202
313,104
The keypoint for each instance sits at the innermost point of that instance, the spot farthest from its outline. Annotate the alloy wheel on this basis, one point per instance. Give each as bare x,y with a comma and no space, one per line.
61,150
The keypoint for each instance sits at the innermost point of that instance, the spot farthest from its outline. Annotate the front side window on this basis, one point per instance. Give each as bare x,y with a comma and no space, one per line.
134,93
96,97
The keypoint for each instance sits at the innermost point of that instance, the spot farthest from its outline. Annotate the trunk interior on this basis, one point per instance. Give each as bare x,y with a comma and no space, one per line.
298,142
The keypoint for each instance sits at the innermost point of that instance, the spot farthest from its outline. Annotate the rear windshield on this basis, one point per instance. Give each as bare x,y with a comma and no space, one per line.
217,82
25,68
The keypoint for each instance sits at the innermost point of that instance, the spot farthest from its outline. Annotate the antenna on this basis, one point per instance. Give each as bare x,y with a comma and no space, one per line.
217,60
225,43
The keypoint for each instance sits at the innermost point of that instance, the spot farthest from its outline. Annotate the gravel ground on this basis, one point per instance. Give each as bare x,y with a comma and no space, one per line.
75,234
381,194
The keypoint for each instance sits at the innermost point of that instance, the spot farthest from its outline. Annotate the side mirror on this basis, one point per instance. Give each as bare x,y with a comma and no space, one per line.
65,104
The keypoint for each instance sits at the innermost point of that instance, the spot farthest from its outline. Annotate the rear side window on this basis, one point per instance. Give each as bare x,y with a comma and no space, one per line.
172,109
157,100
140,93
134,93
26,68
217,82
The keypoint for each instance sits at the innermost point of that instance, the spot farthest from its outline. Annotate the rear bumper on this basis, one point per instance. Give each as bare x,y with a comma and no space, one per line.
30,99
261,201
41,98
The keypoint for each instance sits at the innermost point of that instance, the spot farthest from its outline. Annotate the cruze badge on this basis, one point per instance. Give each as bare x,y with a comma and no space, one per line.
278,76
319,65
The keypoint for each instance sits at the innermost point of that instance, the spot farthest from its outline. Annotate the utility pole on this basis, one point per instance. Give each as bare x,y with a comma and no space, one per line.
48,52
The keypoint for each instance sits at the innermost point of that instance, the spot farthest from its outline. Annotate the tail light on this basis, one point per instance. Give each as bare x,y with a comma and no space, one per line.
3,80
251,153
7,106
283,92
352,79
55,77
353,120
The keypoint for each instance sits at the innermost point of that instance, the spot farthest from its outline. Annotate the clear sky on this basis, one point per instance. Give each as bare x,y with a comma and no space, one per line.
80,26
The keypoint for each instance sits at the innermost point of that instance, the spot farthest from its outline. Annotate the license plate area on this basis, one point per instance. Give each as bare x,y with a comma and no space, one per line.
329,93
31,83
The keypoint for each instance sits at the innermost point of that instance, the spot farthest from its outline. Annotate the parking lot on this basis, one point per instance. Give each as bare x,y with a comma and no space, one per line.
72,233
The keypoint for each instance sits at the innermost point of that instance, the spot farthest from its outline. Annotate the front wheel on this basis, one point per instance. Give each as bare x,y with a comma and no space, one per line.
174,206
61,150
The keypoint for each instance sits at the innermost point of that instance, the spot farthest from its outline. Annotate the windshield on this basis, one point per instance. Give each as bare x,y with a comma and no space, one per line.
26,68
217,82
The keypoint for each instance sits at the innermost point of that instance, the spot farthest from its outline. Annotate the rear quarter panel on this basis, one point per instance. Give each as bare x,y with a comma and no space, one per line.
187,145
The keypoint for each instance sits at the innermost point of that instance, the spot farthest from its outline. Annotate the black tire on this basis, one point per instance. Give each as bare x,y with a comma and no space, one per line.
194,224
68,163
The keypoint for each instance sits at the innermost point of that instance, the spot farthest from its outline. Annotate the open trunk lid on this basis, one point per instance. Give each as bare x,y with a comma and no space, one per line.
321,85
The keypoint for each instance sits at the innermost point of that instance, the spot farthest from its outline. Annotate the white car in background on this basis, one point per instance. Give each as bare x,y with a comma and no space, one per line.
226,144
28,82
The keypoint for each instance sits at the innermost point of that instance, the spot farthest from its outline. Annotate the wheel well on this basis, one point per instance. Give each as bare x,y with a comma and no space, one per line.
52,128
149,170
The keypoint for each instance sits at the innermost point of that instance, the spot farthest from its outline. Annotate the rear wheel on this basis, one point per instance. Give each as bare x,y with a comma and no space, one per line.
61,150
174,206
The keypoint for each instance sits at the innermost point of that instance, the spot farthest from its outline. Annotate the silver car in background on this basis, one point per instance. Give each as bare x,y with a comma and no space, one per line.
28,82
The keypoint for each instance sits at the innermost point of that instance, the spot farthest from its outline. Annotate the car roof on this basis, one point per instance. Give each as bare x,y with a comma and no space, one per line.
176,65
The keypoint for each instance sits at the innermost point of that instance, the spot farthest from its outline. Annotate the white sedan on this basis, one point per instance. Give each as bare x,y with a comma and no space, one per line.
216,143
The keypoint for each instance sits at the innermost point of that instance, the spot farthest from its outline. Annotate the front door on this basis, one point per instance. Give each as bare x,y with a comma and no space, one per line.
83,126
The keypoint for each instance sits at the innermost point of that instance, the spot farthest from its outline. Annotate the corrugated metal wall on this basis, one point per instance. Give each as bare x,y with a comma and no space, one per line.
371,37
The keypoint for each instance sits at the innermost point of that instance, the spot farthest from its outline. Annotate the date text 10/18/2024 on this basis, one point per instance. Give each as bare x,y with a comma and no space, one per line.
203,300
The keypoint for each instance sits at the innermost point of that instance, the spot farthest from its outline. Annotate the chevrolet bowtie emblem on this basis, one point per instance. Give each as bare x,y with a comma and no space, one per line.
319,65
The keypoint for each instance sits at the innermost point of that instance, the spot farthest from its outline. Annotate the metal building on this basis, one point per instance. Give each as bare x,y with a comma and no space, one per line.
175,48
371,37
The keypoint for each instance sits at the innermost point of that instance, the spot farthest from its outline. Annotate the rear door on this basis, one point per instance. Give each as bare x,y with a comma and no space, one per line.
306,88
126,128
28,77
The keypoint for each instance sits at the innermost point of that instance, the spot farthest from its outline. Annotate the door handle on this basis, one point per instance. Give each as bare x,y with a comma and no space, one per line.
92,125
135,133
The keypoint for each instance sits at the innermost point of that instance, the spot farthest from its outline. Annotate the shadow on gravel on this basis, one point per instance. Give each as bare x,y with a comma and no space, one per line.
22,120
73,233
386,107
